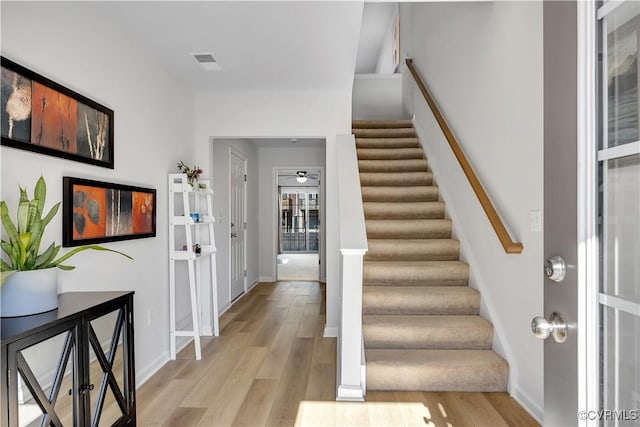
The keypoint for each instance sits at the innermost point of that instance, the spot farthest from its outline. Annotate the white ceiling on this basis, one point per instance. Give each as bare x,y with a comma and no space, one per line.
309,45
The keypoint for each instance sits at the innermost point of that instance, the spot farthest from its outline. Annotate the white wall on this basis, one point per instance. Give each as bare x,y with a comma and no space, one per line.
270,158
221,149
153,130
378,96
384,64
284,115
483,63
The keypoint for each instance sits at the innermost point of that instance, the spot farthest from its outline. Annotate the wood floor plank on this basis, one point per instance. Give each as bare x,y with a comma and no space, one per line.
257,404
207,388
269,329
471,409
224,408
414,410
293,384
276,359
321,384
196,368
310,316
166,400
383,409
296,309
184,417
510,410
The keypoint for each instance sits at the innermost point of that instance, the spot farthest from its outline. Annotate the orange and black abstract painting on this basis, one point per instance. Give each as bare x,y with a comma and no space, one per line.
40,115
95,211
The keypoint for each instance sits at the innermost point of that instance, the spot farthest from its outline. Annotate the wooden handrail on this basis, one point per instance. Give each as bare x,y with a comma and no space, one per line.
508,244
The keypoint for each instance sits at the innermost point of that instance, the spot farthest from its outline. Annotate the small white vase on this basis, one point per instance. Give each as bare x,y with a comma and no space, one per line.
29,292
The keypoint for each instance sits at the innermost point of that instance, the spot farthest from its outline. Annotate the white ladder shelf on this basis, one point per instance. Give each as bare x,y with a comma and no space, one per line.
182,248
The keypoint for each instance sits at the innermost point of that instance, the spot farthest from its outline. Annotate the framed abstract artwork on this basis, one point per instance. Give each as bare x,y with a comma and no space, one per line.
40,115
96,212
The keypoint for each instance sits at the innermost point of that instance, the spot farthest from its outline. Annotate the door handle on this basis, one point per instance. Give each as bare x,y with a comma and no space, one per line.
556,326
234,235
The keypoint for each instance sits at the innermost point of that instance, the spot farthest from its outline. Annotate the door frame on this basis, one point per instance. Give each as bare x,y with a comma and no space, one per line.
235,152
275,229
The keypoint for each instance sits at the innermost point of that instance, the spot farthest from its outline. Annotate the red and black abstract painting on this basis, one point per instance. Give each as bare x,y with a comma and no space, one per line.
40,115
95,212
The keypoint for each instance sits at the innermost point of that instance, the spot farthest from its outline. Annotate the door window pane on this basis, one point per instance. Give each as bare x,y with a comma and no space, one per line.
623,32
621,374
622,224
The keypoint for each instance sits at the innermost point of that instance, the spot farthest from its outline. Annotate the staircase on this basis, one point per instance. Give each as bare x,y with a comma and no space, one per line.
421,326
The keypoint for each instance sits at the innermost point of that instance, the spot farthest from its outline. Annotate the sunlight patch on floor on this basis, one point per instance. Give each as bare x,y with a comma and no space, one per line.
312,414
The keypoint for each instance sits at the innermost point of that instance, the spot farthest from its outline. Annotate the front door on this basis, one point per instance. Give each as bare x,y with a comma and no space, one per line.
237,225
592,214
560,209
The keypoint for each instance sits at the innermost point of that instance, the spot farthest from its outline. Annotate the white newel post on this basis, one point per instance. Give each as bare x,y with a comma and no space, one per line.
353,246
351,383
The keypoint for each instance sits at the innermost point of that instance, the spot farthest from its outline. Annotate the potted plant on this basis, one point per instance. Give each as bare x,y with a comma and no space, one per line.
28,276
192,173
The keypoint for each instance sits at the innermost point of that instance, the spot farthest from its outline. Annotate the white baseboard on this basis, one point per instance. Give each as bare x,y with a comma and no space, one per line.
350,393
143,375
266,279
533,409
330,331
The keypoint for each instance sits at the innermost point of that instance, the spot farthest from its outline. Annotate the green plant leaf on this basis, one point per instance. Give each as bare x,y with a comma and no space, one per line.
8,224
36,236
44,260
4,275
4,266
65,267
9,250
50,215
23,216
40,193
24,197
84,248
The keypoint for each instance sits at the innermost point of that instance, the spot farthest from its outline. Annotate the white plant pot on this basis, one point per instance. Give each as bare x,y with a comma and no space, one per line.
29,292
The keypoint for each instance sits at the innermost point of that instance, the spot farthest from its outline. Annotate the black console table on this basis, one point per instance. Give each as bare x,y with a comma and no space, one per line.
72,321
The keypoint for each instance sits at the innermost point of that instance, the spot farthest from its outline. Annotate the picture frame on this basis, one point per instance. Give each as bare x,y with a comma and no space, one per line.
98,212
65,124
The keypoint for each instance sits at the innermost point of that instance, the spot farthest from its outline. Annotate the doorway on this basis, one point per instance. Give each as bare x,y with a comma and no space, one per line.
298,225
238,225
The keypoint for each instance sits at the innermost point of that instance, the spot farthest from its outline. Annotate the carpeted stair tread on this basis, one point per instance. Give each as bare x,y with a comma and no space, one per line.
395,179
385,133
405,165
403,210
436,370
413,250
408,228
420,300
415,273
389,153
380,124
421,323
388,143
400,194
427,332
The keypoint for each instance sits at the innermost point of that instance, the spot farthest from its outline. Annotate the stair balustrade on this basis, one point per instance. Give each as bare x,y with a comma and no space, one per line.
353,247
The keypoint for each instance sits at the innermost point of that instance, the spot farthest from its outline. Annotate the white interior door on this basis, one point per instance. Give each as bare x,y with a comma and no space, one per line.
238,225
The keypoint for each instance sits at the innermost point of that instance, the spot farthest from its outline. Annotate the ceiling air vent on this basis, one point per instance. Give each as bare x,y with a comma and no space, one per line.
206,61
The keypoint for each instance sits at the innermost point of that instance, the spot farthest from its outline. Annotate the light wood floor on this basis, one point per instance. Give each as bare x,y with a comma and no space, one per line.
272,366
